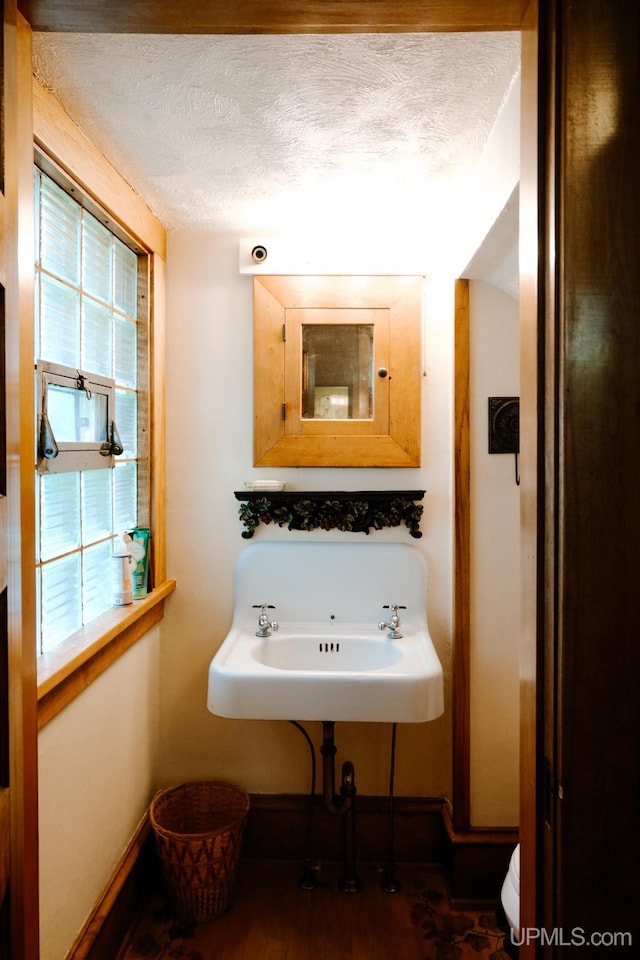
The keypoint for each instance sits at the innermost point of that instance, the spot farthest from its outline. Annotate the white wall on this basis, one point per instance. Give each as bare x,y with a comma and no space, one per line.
495,565
496,176
97,767
209,439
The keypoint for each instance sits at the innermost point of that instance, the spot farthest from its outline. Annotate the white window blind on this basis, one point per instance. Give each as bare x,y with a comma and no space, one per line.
85,317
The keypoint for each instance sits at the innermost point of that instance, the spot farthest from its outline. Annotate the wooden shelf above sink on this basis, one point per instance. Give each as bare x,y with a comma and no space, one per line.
357,511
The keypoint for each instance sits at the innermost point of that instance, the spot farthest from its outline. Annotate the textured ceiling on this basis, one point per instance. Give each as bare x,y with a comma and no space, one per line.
264,134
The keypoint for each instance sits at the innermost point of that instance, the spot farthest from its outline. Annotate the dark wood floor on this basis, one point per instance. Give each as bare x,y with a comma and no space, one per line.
271,919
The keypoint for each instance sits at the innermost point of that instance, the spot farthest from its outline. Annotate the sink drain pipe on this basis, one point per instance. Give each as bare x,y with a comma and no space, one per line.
343,806
309,878
389,881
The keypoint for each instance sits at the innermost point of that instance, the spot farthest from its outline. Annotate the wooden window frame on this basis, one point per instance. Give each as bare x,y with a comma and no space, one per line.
68,669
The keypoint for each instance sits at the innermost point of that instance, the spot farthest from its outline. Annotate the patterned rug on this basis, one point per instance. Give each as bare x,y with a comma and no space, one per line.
454,935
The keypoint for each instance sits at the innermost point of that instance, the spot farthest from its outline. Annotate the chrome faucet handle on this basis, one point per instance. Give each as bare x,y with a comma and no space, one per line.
265,626
393,623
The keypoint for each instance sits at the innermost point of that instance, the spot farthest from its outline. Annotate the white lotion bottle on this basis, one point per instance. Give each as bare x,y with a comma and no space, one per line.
121,570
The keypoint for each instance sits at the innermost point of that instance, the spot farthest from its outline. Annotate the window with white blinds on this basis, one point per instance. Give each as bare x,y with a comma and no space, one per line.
86,318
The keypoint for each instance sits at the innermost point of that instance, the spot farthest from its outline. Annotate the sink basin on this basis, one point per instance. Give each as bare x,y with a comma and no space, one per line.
317,651
328,660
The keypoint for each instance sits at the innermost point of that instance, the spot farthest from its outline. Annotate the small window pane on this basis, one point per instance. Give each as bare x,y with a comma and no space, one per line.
96,259
127,422
96,505
61,603
59,513
60,323
96,580
125,293
125,508
125,352
59,233
96,338
76,418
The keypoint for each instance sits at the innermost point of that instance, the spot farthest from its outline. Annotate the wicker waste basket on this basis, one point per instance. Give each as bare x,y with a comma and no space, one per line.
198,828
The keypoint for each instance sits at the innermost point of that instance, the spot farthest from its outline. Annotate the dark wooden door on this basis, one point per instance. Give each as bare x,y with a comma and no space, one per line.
590,352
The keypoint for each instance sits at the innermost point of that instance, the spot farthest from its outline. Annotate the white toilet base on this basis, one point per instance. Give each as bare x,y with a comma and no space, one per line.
510,895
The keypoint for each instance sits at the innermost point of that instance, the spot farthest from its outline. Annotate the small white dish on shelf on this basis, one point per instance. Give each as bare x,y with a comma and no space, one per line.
265,486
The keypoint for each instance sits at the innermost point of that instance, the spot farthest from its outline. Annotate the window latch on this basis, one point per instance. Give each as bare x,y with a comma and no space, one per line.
81,384
47,446
113,446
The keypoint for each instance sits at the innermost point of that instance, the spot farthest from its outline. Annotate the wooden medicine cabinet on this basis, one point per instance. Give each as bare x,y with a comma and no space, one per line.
337,371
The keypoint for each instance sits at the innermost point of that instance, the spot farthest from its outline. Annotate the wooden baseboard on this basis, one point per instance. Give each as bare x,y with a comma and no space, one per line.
117,910
477,860
474,861
277,829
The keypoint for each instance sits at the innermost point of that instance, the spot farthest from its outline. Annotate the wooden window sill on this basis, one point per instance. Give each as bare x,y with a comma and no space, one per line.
68,669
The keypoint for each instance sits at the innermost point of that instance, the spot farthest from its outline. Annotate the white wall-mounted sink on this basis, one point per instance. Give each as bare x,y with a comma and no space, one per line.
328,660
